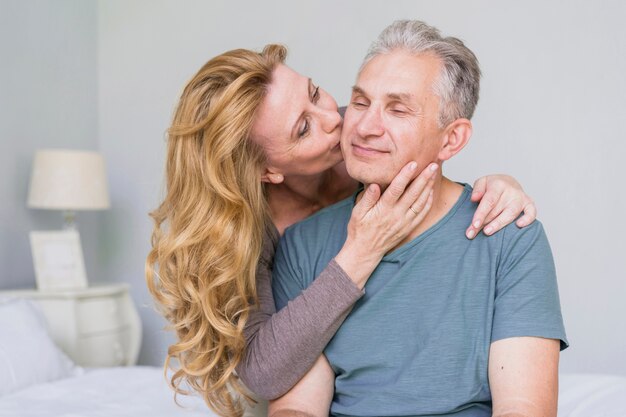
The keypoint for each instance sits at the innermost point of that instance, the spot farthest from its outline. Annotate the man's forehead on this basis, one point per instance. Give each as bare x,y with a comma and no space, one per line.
402,63
399,75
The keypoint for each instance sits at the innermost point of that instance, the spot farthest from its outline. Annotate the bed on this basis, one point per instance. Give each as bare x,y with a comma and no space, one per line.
38,380
105,392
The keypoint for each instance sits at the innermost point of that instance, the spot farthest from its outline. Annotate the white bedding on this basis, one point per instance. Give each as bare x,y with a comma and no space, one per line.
592,395
142,392
107,392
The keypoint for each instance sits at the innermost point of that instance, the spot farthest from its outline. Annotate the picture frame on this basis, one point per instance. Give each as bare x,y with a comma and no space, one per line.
58,260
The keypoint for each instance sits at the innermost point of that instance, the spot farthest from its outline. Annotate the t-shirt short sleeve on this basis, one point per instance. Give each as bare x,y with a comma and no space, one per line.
527,298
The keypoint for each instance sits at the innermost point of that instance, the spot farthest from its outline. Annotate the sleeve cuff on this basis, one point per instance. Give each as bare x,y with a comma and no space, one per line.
344,287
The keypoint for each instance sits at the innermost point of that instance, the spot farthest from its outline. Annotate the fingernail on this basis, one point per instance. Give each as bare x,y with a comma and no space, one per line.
488,230
471,233
433,167
477,224
370,189
413,166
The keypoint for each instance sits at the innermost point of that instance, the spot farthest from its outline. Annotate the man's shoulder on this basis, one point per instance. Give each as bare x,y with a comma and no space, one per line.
511,240
512,233
521,248
508,234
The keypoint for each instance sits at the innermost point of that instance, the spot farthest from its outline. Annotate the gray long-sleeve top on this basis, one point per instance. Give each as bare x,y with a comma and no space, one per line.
282,346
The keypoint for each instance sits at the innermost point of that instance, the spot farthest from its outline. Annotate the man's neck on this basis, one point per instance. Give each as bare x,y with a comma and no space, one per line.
297,197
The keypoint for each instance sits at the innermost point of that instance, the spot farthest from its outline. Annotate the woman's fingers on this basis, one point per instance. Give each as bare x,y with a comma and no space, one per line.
424,203
487,204
368,201
509,213
380,221
479,189
398,185
530,214
419,187
405,189
419,205
422,206
499,218
502,203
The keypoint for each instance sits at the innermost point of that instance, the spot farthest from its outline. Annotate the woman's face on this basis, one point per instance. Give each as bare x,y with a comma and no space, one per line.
298,126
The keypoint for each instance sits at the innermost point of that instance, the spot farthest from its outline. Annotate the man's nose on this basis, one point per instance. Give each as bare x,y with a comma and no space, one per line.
371,123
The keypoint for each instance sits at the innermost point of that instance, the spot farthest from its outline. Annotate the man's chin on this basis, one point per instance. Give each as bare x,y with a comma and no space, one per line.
365,177
366,173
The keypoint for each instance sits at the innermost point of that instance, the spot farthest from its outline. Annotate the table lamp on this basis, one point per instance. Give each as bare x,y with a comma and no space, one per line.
65,180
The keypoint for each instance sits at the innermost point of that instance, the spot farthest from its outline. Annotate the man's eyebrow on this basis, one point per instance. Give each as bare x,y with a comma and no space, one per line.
358,90
295,124
402,97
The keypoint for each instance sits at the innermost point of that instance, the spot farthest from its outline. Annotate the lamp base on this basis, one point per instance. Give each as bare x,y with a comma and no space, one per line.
69,220
58,260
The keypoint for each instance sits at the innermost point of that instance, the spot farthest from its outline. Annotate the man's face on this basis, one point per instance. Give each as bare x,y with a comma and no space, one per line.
392,117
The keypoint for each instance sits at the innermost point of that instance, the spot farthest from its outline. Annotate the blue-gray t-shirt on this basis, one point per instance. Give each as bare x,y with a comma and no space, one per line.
417,343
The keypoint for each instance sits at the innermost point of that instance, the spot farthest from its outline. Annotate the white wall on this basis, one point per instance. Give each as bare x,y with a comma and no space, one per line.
550,114
48,93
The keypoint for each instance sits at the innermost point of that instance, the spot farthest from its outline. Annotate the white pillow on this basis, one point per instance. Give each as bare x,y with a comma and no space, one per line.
27,353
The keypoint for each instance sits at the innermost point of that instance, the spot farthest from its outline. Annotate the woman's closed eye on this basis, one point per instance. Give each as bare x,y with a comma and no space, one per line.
304,129
315,96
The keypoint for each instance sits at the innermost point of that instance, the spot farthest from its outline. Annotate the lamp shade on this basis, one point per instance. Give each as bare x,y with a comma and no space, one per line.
68,180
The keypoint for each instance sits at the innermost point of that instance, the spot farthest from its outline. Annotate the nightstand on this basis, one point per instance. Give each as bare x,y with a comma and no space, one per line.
95,326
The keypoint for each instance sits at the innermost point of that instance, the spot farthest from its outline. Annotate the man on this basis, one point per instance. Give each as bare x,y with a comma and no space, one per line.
447,326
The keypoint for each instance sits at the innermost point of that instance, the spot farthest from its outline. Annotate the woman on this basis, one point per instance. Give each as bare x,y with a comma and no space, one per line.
252,149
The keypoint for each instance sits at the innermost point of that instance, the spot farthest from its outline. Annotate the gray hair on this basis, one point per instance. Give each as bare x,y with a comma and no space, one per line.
458,84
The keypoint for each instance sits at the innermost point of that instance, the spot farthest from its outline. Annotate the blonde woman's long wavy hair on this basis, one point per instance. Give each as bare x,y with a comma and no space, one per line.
208,231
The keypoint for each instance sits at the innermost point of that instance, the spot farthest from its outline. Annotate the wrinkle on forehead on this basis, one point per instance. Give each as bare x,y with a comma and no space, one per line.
392,69
280,108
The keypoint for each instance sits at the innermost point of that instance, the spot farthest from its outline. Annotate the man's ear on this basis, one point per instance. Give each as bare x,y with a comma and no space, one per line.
271,177
455,137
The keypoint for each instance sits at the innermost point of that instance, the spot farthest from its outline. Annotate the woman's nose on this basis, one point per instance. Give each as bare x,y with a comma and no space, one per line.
331,119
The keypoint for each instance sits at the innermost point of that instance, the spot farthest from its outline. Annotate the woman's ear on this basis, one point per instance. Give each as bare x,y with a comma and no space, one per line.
457,134
271,177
